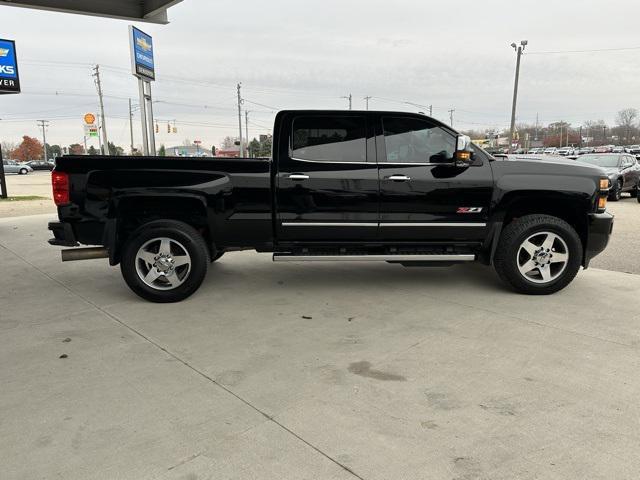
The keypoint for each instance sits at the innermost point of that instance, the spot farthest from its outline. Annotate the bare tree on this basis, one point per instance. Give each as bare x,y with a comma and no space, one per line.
229,143
626,119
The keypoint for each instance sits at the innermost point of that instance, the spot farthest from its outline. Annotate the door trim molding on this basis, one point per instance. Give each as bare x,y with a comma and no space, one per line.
433,224
383,224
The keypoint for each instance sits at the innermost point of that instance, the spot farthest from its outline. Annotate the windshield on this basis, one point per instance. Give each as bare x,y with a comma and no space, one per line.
601,160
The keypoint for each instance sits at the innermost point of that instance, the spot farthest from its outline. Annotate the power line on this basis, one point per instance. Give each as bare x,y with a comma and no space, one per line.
595,50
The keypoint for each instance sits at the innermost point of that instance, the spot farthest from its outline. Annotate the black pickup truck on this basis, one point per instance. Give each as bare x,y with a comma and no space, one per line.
340,186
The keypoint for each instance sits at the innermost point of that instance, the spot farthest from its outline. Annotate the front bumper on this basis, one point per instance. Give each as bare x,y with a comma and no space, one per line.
63,235
598,234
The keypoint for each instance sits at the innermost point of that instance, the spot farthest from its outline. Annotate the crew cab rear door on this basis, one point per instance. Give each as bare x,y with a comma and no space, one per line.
326,179
424,197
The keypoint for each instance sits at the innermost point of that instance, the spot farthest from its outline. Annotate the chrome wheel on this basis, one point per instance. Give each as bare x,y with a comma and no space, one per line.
542,257
163,263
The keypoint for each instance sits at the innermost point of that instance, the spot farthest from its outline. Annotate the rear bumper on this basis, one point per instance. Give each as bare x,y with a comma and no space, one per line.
599,231
62,235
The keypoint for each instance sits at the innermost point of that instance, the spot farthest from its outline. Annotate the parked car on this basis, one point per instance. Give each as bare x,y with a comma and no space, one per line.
550,151
603,149
634,149
585,150
425,196
564,151
535,151
11,166
618,149
40,165
623,171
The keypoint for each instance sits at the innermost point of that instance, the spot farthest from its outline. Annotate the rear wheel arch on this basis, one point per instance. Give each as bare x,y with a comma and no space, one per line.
135,212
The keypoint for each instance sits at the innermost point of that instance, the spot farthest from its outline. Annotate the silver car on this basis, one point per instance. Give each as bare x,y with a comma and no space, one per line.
14,167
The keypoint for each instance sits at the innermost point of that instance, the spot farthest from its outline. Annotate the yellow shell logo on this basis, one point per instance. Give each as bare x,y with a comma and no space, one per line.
143,44
4,52
89,119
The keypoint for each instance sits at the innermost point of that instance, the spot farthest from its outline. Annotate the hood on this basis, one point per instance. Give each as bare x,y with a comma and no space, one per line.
610,170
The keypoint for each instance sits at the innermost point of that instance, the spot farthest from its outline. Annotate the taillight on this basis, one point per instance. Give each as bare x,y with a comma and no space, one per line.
60,184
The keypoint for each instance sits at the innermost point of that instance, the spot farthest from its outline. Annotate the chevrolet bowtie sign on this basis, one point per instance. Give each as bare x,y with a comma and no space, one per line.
9,78
142,63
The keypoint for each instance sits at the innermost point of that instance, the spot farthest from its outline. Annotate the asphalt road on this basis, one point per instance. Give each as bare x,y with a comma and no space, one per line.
298,371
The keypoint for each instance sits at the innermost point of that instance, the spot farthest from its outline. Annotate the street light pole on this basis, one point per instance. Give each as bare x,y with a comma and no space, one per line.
519,49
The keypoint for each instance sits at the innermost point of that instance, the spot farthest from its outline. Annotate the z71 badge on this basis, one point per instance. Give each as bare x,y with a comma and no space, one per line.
469,210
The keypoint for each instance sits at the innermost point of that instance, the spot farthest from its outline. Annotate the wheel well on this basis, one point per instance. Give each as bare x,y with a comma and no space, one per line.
571,212
134,212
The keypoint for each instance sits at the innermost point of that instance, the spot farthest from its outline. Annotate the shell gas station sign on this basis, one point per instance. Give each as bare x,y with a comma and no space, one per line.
90,127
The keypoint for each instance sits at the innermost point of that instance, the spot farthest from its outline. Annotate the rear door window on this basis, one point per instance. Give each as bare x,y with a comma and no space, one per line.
329,139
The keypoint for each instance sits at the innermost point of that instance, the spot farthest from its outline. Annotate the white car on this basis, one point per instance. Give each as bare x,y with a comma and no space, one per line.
565,151
550,151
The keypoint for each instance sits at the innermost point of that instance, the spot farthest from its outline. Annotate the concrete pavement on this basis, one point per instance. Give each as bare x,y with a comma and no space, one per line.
342,371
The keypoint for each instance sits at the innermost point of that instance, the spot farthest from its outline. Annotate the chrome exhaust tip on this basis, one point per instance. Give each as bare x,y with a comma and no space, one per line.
91,253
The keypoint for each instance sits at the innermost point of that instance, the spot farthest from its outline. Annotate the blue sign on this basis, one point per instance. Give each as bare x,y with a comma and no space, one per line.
9,79
142,54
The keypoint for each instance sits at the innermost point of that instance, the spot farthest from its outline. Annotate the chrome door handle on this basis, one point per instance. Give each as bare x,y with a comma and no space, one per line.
298,176
399,178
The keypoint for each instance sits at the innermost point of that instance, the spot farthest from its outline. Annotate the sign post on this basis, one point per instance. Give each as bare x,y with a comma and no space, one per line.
143,67
9,83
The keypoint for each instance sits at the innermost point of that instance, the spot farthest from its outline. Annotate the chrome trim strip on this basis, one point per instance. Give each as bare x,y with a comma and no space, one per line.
373,164
435,224
367,224
328,224
367,258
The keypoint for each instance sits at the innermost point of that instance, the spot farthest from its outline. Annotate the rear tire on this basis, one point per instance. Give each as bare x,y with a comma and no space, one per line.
524,262
165,261
23,171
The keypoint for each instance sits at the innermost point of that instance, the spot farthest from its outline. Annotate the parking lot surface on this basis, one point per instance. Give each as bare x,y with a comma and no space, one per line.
339,371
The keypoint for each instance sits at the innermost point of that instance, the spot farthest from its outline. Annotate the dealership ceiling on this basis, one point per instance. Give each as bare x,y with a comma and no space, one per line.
152,11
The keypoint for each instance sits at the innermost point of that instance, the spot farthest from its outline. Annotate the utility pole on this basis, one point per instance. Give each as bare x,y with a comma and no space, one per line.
85,145
519,49
536,127
451,116
44,124
246,129
366,99
604,134
580,136
431,110
350,98
105,141
131,125
240,102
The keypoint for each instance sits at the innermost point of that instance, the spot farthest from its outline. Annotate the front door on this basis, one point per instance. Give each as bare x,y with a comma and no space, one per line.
327,179
423,197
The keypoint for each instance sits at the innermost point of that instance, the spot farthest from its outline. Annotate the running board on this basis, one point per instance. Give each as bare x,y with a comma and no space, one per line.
287,257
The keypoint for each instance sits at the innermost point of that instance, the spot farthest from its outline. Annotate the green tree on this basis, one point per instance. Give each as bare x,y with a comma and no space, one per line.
92,150
115,150
54,151
254,148
163,151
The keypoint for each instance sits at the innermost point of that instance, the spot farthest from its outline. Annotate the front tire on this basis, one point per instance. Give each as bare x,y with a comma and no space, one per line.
165,261
616,193
23,171
538,254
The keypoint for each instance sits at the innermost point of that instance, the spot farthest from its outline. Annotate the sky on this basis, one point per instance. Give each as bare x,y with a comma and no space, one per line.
295,54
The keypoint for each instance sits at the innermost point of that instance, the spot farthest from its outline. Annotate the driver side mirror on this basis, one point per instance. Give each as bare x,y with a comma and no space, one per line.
463,154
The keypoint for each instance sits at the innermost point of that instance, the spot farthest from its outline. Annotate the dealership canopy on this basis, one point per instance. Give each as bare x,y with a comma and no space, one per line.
153,11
